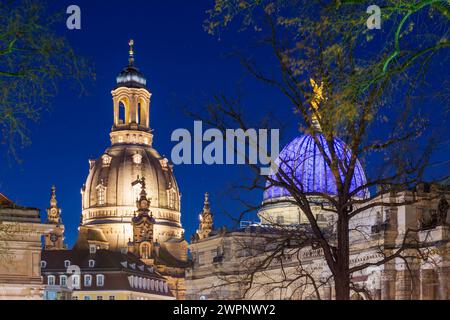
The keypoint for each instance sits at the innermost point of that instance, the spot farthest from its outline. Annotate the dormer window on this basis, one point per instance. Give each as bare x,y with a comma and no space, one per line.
106,160
43,264
67,263
92,248
91,263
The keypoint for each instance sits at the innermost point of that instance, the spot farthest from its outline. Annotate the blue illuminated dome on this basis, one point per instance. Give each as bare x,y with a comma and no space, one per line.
303,160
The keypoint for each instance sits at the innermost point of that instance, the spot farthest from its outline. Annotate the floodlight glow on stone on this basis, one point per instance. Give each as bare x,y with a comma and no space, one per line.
303,162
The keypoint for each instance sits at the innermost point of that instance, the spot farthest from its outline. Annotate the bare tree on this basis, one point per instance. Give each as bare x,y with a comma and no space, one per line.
363,100
34,59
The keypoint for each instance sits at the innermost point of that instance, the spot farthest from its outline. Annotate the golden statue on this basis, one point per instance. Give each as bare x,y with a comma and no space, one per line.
315,102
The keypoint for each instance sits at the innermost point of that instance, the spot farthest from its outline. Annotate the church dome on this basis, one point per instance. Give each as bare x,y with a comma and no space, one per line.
302,159
112,188
131,77
114,181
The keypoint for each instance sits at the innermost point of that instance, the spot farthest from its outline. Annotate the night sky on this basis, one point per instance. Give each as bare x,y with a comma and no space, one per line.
183,65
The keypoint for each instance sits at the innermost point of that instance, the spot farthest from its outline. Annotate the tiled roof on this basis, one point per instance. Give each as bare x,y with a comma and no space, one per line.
121,271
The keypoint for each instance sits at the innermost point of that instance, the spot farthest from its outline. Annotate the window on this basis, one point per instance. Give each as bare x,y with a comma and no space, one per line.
75,281
87,280
43,264
51,280
99,297
137,158
91,263
92,248
74,298
63,281
101,194
66,263
137,187
100,280
87,298
112,298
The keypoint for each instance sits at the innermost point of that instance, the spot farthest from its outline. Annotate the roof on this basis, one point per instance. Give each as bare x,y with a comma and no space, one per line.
303,163
121,271
89,234
5,202
169,260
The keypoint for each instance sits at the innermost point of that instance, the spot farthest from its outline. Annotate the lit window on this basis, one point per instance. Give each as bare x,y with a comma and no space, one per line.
101,194
120,139
91,263
100,280
51,280
67,263
43,264
63,281
87,280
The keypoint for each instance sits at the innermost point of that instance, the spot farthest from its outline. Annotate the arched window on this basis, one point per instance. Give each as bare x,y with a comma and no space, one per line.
145,251
63,281
101,194
142,112
122,116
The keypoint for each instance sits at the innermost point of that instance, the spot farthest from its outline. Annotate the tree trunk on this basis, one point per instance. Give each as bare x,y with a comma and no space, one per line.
342,274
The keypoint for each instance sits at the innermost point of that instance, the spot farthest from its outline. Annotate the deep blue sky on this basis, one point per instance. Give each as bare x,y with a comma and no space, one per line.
183,65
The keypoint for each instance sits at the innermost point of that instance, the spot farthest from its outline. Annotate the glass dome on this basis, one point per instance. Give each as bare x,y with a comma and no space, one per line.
303,160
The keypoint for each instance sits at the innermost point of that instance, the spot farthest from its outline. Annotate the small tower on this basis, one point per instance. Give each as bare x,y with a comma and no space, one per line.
206,220
131,100
142,222
55,239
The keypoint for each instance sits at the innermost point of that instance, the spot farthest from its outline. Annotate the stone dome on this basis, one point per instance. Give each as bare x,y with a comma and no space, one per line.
113,184
302,159
112,188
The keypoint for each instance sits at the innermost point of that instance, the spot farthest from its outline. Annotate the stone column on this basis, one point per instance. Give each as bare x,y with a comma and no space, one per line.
403,285
442,284
427,284
388,285
327,295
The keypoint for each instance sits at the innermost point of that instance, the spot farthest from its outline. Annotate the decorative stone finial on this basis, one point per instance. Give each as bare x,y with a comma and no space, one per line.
206,220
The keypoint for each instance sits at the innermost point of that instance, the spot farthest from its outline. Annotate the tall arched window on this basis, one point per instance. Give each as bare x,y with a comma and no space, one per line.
101,194
122,112
145,251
